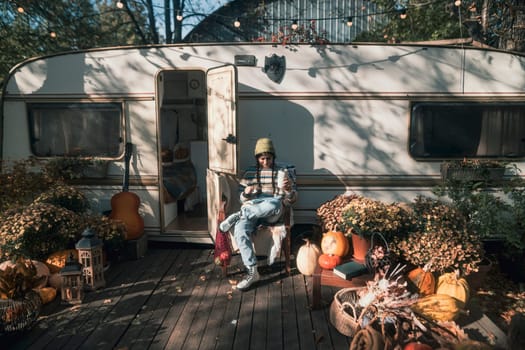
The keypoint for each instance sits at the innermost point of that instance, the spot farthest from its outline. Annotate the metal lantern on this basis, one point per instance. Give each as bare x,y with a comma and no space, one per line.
72,289
89,249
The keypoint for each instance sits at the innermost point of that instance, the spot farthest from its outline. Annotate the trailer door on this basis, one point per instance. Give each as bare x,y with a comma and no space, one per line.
222,107
222,138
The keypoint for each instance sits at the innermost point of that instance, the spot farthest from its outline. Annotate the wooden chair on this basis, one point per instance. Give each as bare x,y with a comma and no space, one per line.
265,233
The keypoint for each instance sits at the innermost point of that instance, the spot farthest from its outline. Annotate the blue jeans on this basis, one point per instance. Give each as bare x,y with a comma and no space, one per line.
254,213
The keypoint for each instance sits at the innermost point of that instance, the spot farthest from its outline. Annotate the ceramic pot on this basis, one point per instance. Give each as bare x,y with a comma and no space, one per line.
360,245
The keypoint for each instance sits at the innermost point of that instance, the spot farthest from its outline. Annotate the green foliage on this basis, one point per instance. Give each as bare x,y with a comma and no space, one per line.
491,215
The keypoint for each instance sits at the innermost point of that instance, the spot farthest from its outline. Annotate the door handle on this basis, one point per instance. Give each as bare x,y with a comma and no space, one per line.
230,139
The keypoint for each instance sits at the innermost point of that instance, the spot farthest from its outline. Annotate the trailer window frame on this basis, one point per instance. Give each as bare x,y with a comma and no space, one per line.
76,129
457,130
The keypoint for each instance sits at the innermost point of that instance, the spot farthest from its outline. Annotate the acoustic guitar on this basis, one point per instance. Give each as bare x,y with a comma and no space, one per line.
125,205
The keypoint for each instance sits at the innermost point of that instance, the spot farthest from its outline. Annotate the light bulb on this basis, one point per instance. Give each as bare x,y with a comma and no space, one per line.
237,23
457,3
349,21
20,9
52,34
294,24
120,4
179,16
403,14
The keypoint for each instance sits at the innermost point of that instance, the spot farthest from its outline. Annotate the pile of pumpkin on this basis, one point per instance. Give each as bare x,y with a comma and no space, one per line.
437,299
22,276
334,247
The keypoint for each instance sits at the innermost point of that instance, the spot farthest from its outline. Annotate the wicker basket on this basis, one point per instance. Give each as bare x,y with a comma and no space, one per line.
343,313
18,315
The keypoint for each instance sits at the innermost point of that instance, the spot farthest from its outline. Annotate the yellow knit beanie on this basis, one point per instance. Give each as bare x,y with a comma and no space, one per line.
264,145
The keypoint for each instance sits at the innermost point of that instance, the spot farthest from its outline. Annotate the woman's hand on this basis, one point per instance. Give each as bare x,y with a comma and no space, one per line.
287,185
249,190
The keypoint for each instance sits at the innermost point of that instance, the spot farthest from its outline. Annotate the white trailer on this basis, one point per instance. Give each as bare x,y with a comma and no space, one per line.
371,119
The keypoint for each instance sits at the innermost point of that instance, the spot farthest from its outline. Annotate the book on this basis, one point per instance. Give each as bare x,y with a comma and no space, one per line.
350,270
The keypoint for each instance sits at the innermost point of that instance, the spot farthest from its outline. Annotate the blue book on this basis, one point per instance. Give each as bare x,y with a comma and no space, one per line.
350,270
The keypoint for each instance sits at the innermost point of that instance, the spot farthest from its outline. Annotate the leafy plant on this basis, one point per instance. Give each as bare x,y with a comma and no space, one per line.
441,239
65,196
68,168
21,182
37,230
491,214
366,216
111,232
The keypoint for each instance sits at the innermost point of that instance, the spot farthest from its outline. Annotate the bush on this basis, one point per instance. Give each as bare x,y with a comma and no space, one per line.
64,196
37,231
441,239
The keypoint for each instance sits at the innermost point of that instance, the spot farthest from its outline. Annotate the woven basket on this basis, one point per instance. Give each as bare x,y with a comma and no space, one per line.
18,315
343,313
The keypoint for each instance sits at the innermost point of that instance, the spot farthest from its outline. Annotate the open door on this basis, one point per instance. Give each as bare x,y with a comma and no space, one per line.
222,137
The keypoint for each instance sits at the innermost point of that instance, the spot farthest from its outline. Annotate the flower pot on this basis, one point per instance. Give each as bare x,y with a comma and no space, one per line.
360,245
477,279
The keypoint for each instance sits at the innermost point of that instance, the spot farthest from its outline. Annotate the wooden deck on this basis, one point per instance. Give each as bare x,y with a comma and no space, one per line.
176,298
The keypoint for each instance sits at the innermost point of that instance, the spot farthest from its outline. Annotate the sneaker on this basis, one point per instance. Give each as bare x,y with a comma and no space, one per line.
231,220
251,278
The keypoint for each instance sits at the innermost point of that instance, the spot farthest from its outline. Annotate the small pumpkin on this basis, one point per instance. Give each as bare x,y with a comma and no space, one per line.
439,307
57,260
47,294
422,281
335,243
307,257
417,346
329,261
451,284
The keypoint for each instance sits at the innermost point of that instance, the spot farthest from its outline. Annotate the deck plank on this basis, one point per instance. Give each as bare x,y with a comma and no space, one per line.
148,321
177,298
184,287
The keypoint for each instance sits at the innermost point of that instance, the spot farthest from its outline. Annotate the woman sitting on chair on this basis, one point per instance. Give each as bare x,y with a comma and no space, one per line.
262,203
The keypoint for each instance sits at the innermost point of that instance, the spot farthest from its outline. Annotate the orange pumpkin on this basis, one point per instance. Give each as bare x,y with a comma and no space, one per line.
451,284
56,261
335,243
422,281
329,261
417,346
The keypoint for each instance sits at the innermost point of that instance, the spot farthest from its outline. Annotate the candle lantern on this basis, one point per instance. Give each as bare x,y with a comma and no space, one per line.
89,249
71,290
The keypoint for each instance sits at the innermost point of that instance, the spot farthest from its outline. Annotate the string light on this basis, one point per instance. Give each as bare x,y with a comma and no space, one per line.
20,9
179,16
457,3
294,24
349,21
53,34
237,23
403,14
120,4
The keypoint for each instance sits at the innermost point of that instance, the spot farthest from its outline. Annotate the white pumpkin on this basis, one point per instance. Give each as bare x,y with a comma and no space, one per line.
41,270
55,280
307,257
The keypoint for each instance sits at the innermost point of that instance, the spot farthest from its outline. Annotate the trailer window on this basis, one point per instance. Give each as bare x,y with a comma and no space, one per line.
75,129
458,130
